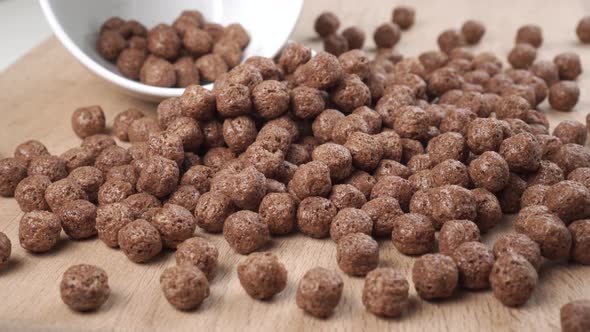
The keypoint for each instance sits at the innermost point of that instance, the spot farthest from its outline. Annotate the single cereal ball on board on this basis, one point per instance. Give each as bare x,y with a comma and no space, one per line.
212,209
12,171
472,31
522,56
319,292
159,177
262,275
385,292
39,231
84,287
90,179
78,219
530,34
314,216
583,30
357,254
140,241
569,200
413,234
575,315
513,280
387,35
326,24
311,179
184,287
547,230
564,95
5,249
489,171
175,224
520,244
88,121
435,276
51,166
199,253
569,65
63,191
571,131
383,211
580,230
403,16
26,151
109,221
278,211
245,232
456,232
350,220
474,261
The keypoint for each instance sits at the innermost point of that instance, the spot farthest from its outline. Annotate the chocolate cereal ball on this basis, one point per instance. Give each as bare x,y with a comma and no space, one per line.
110,219
450,145
311,179
77,157
355,37
319,292
583,30
140,241
489,171
185,196
530,34
335,44
575,315
396,187
314,216
450,172
78,219
350,220
109,44
175,224
568,65
452,202
278,211
365,150
580,230
199,253
571,131
262,275
292,56
385,292
510,196
158,72
484,134
139,129
324,123
321,72
581,175
306,103
84,287
88,121
403,16
163,41
454,233
489,212
233,100
435,276
39,231
363,181
90,179
12,171
522,152
50,166
474,262
569,200
346,195
270,99
383,212
5,249
570,157
26,151
350,92
472,31
239,133
159,177
413,234
245,232
548,174
212,209
326,24
564,95
63,191
130,61
522,56
114,191
357,254
112,156
513,279
449,40
186,72
520,244
184,287
387,35
30,193
547,230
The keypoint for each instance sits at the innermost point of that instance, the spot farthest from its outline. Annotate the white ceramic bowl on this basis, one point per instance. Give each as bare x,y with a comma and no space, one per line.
76,24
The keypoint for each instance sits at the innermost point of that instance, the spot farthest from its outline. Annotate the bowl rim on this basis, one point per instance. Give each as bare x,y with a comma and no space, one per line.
113,78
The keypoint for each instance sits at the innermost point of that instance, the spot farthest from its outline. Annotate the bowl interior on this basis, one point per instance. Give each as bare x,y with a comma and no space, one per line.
76,23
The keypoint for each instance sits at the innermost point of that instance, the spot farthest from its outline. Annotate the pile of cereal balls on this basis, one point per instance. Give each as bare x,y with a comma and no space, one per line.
189,51
347,147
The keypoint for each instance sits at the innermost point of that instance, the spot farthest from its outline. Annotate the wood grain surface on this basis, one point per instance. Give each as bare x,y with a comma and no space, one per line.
39,93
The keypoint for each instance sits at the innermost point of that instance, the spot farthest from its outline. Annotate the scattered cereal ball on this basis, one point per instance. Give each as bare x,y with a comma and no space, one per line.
489,212
443,80
575,315
472,31
137,42
77,157
185,196
570,157
239,133
403,16
25,152
112,156
140,241
452,202
229,51
385,292
388,167
198,42
454,233
30,193
236,32
185,287
158,72
88,121
383,212
114,191
5,249
513,279
197,102
163,41
569,200
450,172
564,95
62,191
548,174
413,234
522,56
262,275
580,230
319,292
110,219
363,181
583,30
113,23
530,34
293,56
435,276
159,177
474,262
270,99
245,232
581,175
139,129
212,209
211,67
571,131
350,220
39,231
510,196
217,158
199,253
335,44
84,287
233,100
50,166
12,171
522,152
186,72
546,70
449,40
365,150
520,244
391,144
175,224
346,195
324,124
141,202
314,216
355,37
306,103
357,254
246,189
110,43
78,219
489,171
387,35
323,71
396,187
130,61
371,117
327,23
547,230
311,179
569,65
278,211
266,66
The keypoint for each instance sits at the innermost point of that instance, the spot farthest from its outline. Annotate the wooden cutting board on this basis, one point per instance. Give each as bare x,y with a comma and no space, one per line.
40,91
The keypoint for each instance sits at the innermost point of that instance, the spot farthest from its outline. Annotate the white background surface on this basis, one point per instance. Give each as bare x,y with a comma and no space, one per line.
22,27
